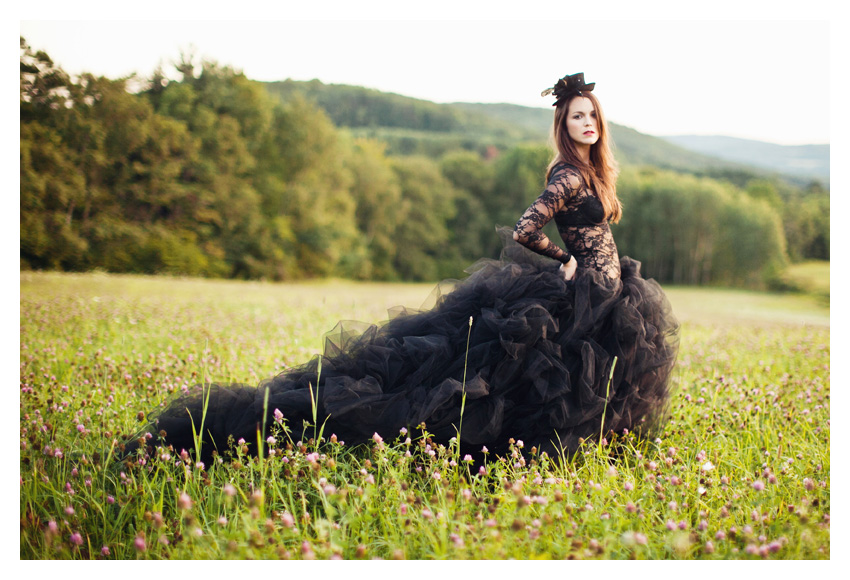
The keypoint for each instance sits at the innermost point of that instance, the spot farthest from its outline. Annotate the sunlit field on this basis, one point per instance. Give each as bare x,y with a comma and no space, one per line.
741,471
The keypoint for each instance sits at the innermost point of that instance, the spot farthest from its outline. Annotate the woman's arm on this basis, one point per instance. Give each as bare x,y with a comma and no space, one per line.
527,230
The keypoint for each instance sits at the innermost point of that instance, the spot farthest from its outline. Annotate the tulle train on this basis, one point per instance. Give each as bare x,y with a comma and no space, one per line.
535,365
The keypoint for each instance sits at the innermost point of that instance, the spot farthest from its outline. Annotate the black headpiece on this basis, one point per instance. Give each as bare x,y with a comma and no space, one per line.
568,86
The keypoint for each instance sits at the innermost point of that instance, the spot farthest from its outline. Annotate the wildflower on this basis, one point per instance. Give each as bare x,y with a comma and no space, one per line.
701,490
482,470
485,450
751,549
110,500
271,440
703,525
200,466
229,490
402,509
520,444
808,484
222,521
241,441
307,551
653,466
683,525
467,495
628,486
671,525
139,543
707,466
458,542
758,485
69,510
104,550
720,535
378,440
631,507
257,498
184,502
640,539
287,519
76,539
468,458
403,430
278,416
709,547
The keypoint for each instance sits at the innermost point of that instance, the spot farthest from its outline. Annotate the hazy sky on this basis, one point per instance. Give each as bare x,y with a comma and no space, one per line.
737,78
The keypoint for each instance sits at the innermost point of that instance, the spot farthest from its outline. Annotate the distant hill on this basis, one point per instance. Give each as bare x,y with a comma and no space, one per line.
634,148
416,126
811,161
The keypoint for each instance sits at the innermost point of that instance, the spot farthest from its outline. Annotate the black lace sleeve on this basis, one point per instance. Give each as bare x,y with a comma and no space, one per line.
562,185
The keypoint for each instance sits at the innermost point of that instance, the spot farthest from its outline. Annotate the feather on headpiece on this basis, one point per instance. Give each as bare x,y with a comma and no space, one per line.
568,86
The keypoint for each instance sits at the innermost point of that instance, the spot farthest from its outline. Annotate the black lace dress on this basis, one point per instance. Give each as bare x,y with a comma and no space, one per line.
540,352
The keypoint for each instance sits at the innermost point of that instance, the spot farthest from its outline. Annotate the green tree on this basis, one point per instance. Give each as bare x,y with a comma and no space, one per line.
427,206
473,227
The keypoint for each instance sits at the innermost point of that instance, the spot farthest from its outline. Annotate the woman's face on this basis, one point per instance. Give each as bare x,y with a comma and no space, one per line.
581,122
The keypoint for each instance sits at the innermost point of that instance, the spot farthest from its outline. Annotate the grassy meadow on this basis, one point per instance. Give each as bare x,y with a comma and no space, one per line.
741,471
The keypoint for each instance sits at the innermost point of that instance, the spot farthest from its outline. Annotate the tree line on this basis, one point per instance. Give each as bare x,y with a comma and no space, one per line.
211,175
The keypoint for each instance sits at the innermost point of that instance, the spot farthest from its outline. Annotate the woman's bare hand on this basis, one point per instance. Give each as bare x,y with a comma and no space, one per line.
568,270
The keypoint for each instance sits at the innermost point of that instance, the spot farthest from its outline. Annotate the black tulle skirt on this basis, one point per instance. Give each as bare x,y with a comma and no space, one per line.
535,365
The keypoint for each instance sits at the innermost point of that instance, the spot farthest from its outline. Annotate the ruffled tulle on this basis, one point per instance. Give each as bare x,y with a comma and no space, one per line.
534,365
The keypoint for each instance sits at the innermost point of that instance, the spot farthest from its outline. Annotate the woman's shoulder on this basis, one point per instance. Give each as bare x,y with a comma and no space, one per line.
566,174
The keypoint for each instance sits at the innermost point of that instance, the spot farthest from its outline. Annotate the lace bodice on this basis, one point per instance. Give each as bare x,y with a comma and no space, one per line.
580,218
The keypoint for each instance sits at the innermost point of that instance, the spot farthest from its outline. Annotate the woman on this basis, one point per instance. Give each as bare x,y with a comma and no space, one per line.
519,349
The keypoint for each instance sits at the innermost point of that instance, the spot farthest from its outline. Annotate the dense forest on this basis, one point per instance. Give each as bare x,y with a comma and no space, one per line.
213,174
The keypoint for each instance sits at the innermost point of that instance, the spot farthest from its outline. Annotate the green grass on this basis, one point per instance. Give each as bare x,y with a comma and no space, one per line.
742,469
811,277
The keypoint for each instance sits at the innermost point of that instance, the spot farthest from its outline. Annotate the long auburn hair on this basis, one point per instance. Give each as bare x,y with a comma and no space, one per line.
602,171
